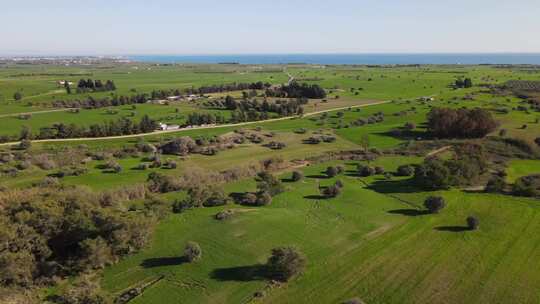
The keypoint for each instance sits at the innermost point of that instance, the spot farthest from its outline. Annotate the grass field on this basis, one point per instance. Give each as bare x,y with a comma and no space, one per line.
364,243
373,241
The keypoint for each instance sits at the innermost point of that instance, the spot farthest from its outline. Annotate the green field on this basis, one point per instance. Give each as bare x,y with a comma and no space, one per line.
373,241
364,243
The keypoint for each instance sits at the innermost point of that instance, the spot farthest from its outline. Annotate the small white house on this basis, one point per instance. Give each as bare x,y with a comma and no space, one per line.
165,127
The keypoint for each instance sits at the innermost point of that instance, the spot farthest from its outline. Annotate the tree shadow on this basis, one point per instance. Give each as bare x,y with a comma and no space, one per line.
394,186
452,228
319,176
240,273
237,196
409,212
315,197
168,261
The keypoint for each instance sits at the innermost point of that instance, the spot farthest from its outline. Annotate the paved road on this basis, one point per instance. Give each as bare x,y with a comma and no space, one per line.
197,128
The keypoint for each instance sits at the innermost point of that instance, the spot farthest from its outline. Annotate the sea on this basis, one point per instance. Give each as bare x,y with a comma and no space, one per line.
356,59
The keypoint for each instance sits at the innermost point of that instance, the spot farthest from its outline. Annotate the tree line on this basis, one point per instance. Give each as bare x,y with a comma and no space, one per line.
90,85
296,90
122,126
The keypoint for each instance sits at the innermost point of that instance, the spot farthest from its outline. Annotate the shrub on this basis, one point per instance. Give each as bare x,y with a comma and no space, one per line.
331,171
223,215
527,186
297,176
434,204
472,223
331,191
179,206
192,252
340,169
284,263
266,182
405,170
263,199
379,170
537,141
496,184
25,144
365,170
339,184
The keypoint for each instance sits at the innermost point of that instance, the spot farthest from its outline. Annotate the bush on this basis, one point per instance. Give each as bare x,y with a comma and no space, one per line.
25,144
263,199
405,170
297,176
365,170
379,170
473,223
527,186
331,171
331,191
496,184
537,141
339,184
284,263
192,252
434,204
223,215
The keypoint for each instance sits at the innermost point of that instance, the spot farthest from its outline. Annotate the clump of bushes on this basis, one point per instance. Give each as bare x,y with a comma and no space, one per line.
468,164
460,123
527,186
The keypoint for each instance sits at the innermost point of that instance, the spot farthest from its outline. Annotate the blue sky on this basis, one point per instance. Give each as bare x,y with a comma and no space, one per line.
64,27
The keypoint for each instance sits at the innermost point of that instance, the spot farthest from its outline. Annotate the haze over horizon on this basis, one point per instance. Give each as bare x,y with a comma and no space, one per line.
32,27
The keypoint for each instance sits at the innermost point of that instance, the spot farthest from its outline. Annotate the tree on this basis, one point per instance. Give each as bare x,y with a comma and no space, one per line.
405,170
473,223
331,171
434,204
192,252
17,96
284,263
